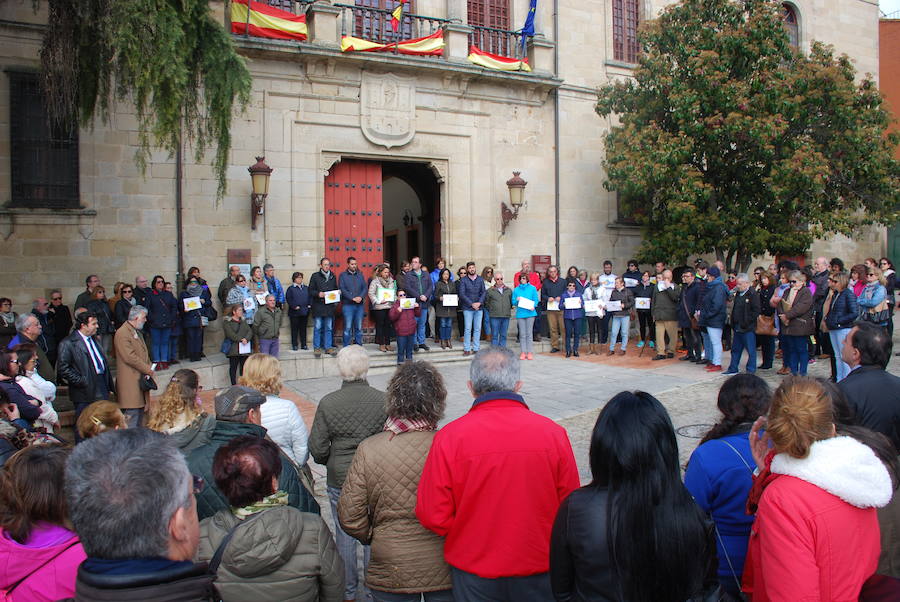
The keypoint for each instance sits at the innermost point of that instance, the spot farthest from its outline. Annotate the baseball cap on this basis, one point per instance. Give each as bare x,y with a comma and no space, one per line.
236,401
713,271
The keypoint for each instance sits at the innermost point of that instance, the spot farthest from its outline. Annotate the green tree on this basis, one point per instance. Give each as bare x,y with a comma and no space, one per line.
169,58
731,141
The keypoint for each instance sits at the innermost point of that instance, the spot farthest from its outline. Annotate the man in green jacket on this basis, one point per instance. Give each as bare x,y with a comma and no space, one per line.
266,325
237,413
664,309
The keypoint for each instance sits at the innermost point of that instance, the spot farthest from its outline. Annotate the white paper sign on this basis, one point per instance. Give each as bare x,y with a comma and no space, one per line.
525,303
385,295
261,298
450,300
642,302
572,302
245,347
248,304
192,303
407,303
608,280
552,305
614,305
332,297
629,282
592,305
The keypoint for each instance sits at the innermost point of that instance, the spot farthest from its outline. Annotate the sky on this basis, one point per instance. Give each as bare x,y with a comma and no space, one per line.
889,6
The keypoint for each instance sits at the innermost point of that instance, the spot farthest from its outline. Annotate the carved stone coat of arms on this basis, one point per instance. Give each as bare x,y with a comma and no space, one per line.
388,109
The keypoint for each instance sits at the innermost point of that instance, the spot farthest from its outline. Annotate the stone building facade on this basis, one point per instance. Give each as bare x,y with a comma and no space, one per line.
446,133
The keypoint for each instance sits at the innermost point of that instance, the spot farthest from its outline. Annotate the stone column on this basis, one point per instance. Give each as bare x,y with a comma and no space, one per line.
540,54
323,22
456,42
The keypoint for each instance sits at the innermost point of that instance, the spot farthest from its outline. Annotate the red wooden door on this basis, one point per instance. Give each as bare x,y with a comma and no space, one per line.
353,217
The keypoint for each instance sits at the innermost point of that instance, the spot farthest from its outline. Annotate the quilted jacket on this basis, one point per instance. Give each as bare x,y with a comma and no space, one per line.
277,554
285,426
344,418
378,506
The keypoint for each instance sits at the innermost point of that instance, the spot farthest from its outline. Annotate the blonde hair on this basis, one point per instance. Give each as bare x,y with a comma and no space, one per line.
263,373
800,415
178,398
99,417
878,274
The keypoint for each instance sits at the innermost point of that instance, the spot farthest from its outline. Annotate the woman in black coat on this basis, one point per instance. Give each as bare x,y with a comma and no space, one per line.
766,289
634,533
162,312
106,327
124,305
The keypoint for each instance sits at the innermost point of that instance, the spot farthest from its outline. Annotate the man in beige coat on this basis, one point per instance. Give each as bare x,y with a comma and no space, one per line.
132,364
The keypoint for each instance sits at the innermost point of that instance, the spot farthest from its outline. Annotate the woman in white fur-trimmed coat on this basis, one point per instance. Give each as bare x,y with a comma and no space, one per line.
816,534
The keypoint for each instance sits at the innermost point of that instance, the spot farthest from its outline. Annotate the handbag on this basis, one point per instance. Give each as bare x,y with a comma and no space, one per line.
695,324
879,314
765,325
146,383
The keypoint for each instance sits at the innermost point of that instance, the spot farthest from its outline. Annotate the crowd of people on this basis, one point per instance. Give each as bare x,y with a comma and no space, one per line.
789,496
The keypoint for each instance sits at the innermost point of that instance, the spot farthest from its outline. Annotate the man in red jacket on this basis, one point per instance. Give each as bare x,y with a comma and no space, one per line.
492,484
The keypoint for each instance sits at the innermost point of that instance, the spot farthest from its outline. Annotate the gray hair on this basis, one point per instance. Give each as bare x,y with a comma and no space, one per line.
22,321
122,488
135,311
743,277
494,369
353,362
267,267
796,275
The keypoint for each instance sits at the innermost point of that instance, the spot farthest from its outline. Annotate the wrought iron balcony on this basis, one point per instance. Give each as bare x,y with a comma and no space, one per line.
374,24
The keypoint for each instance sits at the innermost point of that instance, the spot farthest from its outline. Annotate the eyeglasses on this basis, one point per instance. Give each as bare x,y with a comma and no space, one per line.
870,274
832,280
198,484
794,281
56,298
128,292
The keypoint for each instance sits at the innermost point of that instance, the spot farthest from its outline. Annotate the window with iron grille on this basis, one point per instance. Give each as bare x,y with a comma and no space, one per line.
492,14
626,18
375,24
43,155
792,25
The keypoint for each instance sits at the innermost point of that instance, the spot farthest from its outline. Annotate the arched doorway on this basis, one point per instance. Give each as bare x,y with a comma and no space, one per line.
411,202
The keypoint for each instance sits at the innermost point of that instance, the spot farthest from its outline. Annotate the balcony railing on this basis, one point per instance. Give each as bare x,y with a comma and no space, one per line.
298,7
374,24
497,41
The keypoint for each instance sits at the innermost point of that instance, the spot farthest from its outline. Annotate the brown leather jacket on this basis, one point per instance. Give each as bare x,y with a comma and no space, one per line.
799,314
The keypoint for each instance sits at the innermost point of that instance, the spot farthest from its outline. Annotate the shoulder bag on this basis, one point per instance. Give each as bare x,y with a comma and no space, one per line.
765,325
879,314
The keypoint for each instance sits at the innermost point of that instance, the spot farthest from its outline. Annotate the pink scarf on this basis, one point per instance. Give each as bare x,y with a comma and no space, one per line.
401,425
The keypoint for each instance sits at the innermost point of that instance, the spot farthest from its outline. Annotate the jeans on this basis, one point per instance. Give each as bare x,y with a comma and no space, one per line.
526,334
499,326
712,340
796,355
739,342
353,316
837,344
159,347
421,323
193,337
445,328
173,345
620,325
298,331
573,334
444,595
472,320
767,344
405,344
486,317
346,547
323,332
531,588
270,346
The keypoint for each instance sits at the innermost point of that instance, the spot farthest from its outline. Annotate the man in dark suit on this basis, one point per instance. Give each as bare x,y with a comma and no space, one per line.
873,393
83,365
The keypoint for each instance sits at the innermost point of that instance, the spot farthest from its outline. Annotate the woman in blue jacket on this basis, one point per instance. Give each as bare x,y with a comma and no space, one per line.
297,299
873,294
525,317
842,312
192,321
720,472
572,317
162,312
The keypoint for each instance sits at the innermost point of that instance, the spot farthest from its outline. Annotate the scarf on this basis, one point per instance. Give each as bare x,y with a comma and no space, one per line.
195,290
9,317
397,425
389,283
279,498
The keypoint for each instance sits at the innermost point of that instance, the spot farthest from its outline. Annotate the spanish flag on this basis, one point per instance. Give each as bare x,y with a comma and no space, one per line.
266,21
397,15
496,62
432,45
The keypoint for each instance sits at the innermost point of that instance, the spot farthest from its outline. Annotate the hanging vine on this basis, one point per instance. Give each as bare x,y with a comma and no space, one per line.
170,59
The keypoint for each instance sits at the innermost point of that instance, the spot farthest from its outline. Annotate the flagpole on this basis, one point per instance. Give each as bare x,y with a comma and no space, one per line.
247,27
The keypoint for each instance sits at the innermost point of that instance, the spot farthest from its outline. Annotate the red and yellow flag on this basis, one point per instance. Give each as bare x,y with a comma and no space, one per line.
266,21
432,45
489,60
397,16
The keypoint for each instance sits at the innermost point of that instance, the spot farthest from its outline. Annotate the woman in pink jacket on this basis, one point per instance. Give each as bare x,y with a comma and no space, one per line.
405,326
816,533
39,554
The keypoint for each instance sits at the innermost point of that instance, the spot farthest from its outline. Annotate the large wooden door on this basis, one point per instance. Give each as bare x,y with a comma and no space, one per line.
353,217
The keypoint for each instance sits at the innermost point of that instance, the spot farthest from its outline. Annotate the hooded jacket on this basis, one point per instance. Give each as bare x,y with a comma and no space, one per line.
712,305
816,534
276,554
56,546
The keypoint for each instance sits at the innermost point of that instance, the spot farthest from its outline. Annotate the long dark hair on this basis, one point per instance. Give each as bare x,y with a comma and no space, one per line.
658,541
742,399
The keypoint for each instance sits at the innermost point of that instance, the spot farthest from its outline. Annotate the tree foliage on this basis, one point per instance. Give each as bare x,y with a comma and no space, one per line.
169,58
733,142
